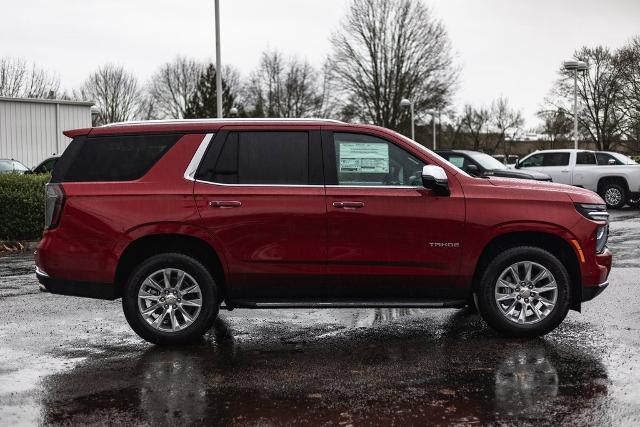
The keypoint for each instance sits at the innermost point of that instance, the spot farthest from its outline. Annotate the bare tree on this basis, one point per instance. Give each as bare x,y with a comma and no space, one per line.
283,88
599,92
18,79
473,121
504,119
628,61
387,50
115,92
173,85
557,125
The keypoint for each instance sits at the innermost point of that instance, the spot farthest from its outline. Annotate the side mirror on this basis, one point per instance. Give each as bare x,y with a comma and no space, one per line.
612,162
517,164
435,178
472,169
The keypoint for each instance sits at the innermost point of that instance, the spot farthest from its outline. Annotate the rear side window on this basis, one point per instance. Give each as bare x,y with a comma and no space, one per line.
586,158
277,158
111,158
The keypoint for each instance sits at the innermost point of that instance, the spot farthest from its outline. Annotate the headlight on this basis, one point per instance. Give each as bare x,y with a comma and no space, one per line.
602,234
596,213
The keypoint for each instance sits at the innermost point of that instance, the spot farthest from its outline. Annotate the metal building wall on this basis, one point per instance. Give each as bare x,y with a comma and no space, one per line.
31,129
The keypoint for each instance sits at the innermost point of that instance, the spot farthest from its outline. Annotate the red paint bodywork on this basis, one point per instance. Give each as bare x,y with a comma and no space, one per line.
288,240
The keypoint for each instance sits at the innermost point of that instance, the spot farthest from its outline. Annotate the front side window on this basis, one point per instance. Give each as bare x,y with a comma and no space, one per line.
606,159
365,160
555,159
276,158
532,161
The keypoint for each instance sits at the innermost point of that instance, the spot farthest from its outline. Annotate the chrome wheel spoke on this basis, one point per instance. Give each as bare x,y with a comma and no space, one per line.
192,303
514,272
539,277
506,297
527,271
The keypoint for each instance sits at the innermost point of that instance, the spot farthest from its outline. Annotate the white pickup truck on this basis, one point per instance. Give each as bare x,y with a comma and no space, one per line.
615,177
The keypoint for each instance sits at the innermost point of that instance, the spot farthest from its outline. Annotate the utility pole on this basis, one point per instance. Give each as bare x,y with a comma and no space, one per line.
218,63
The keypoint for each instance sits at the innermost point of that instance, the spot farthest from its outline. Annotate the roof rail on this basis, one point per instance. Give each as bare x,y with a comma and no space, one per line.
235,119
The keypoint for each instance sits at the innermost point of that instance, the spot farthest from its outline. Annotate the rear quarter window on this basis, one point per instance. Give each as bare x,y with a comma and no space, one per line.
111,158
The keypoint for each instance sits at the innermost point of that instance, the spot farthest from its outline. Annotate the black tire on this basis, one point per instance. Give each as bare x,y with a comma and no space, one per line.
614,195
208,310
494,316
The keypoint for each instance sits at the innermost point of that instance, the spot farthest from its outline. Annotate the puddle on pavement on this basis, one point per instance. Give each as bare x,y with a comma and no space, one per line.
398,371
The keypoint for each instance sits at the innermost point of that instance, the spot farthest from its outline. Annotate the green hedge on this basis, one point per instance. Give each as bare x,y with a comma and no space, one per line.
22,206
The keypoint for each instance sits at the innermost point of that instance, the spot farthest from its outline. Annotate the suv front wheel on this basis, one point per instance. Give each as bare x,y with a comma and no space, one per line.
170,299
524,292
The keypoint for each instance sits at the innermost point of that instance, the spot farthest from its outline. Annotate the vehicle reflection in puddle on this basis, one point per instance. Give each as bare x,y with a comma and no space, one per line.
408,368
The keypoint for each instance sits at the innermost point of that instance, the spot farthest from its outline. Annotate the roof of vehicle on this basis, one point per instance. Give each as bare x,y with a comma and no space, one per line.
562,150
458,151
195,125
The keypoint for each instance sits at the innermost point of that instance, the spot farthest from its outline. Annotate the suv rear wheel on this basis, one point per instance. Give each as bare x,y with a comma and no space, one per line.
524,292
170,299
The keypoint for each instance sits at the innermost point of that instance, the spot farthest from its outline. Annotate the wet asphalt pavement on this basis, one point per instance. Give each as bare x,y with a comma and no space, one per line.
67,360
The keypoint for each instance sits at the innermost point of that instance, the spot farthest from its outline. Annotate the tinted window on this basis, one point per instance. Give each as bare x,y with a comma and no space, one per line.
262,158
605,158
585,158
534,160
555,159
113,158
364,160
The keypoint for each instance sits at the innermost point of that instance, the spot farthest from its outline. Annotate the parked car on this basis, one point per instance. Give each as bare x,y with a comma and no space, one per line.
616,184
46,166
177,217
481,164
12,166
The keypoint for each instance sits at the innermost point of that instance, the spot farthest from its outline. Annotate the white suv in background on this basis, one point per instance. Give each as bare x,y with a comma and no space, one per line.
618,183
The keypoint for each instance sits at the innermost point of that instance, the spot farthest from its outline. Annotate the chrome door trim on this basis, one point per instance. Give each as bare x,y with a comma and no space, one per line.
192,168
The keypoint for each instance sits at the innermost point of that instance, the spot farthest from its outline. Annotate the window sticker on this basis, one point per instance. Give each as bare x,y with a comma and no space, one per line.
364,157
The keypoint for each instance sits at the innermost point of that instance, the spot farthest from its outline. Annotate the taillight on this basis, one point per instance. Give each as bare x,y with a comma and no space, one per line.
53,204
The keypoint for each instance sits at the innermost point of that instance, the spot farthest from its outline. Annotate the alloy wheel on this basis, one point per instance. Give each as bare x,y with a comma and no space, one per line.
526,292
169,300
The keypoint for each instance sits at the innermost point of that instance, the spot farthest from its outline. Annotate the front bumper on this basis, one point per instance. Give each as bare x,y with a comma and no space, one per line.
590,293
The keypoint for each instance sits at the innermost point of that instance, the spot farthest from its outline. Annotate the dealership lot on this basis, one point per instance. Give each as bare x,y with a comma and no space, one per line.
76,360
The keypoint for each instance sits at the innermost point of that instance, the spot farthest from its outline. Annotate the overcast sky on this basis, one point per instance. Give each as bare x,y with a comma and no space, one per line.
505,47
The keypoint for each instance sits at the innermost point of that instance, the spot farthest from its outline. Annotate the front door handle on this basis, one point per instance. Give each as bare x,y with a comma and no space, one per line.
348,205
225,204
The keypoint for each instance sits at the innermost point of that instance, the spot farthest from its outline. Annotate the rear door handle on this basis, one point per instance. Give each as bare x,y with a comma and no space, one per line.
225,204
348,205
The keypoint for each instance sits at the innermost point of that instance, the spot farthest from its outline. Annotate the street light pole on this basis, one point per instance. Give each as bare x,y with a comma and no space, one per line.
408,103
575,66
433,118
218,63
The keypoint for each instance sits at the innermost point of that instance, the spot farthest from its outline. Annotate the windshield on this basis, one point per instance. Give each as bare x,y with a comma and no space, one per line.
12,166
486,161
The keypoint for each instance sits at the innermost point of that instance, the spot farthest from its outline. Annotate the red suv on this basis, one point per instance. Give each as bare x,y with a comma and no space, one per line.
178,217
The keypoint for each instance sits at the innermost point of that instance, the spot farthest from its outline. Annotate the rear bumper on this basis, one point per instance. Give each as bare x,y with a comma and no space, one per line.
75,288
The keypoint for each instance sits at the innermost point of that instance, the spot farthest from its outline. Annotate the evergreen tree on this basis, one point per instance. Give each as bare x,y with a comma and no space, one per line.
202,103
